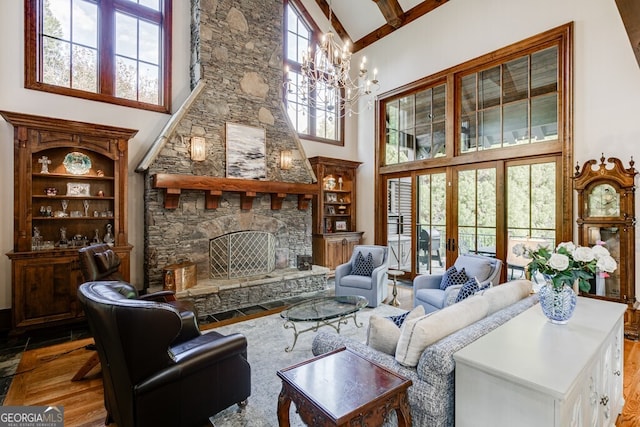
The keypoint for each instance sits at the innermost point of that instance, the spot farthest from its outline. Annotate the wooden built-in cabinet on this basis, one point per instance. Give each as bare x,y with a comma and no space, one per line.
70,190
334,211
331,250
606,216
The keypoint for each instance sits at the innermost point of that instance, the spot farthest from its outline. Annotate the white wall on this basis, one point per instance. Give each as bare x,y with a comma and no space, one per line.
607,82
13,97
606,74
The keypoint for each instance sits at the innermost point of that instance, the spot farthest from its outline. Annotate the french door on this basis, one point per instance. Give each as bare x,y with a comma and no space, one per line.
480,208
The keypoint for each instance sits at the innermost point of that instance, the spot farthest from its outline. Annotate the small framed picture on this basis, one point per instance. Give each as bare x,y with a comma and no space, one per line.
332,197
78,190
331,210
341,225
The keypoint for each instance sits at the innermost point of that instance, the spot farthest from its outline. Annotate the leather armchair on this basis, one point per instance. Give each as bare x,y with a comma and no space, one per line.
374,288
426,288
158,370
100,262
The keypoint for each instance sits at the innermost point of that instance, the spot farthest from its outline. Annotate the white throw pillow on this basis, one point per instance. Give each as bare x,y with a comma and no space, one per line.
383,333
418,334
506,294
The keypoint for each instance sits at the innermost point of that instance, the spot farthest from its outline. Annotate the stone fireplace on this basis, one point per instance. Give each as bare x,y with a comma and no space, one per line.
237,78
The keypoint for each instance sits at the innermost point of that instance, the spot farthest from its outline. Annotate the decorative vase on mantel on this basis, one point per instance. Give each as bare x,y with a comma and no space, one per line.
557,302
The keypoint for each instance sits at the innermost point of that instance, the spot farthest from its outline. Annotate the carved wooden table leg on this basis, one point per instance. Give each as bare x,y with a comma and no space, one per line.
284,403
404,412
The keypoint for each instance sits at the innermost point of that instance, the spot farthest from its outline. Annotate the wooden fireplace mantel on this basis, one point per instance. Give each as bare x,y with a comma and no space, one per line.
248,189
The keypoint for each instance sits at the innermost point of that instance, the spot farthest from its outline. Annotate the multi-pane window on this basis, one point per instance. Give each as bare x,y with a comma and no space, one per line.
314,109
415,126
115,51
496,131
510,104
532,197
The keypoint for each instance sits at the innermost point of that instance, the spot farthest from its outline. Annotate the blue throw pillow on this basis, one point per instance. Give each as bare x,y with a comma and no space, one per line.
363,266
481,289
399,319
468,289
453,277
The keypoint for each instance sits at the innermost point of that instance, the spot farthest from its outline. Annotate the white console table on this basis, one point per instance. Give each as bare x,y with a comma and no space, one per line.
530,372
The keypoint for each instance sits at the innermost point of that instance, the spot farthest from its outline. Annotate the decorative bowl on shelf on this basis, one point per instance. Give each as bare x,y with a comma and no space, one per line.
77,163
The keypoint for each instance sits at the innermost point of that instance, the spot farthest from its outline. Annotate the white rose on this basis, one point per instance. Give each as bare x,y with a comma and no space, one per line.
607,263
559,262
569,246
583,254
599,251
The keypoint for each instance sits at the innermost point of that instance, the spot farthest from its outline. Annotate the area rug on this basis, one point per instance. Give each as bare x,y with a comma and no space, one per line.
44,374
267,340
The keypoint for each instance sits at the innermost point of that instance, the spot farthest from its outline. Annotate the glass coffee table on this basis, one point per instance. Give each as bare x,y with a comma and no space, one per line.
324,311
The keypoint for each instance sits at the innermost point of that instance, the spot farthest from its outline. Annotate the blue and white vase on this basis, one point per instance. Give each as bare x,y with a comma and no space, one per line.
558,303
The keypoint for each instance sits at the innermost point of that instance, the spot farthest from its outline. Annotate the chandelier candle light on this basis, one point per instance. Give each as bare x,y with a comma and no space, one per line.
327,77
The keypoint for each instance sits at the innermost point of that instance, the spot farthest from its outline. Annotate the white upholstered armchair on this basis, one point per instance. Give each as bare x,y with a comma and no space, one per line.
351,278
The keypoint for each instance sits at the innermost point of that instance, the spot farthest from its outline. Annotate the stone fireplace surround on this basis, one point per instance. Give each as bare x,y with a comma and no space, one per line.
217,295
237,75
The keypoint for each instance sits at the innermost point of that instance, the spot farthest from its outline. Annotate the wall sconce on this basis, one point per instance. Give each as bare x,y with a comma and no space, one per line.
198,149
285,159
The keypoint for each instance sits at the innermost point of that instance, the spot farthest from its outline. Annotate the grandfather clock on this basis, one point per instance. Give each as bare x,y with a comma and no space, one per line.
606,215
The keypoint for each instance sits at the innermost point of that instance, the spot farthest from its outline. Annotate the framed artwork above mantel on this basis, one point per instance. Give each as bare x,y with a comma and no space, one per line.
246,152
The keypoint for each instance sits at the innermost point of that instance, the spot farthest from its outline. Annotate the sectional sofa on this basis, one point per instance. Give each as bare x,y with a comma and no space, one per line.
429,342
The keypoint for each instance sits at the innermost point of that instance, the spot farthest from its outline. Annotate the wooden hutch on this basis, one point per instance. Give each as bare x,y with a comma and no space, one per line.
70,190
334,211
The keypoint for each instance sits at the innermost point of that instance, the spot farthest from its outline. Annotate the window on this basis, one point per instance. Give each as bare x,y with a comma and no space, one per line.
115,51
415,126
513,103
313,111
483,151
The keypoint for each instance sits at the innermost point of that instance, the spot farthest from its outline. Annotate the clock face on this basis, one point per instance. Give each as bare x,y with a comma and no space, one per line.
603,200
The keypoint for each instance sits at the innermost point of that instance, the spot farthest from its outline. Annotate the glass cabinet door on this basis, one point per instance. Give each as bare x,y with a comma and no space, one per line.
606,284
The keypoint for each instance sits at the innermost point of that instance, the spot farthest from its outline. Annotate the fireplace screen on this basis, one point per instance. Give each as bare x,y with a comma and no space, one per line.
241,254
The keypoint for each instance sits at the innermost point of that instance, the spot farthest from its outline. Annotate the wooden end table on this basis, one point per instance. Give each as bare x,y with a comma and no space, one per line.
342,388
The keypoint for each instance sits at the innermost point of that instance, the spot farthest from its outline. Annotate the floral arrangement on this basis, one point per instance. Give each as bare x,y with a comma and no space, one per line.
568,263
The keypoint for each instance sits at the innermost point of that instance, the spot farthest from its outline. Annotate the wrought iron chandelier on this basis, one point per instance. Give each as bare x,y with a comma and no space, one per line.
326,83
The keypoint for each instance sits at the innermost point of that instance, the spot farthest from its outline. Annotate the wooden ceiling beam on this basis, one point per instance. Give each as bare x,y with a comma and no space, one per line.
409,16
335,22
392,12
630,14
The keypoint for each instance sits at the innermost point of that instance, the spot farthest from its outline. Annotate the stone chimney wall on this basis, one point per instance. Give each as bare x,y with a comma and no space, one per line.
237,51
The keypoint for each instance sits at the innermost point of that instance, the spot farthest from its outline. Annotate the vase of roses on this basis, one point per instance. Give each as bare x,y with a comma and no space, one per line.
563,268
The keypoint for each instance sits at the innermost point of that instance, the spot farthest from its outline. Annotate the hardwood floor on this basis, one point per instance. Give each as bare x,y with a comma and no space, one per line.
630,416
46,374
